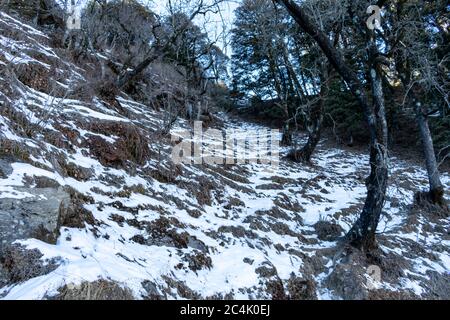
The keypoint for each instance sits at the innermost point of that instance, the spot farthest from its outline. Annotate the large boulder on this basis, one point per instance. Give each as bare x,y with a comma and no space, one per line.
35,216
348,279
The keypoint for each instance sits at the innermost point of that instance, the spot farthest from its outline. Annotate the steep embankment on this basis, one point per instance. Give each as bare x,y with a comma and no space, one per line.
94,204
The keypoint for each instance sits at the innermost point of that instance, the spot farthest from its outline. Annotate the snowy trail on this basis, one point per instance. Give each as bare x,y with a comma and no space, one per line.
194,231
267,220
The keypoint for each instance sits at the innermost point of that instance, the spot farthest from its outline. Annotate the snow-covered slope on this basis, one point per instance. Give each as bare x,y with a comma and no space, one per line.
185,231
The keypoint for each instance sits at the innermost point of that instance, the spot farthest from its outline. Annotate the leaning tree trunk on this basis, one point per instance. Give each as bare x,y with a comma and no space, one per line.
436,193
314,126
362,234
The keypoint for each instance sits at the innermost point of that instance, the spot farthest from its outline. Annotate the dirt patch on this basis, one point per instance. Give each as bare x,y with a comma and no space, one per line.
202,190
198,261
383,294
274,213
328,231
73,214
70,134
15,150
301,289
284,202
118,219
269,186
423,203
230,175
131,145
182,289
162,232
35,76
234,202
276,289
285,181
237,232
194,213
274,285
21,264
166,175
106,90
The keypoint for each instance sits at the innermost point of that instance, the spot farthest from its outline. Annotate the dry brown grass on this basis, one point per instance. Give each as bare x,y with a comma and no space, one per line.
131,145
98,290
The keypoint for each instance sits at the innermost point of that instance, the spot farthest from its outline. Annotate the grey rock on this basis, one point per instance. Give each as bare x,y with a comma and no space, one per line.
5,169
33,217
347,281
193,242
152,291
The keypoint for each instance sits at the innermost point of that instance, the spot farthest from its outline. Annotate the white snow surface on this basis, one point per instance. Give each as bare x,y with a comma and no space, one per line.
332,189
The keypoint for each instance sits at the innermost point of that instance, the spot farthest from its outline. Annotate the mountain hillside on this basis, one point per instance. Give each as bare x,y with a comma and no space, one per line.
92,205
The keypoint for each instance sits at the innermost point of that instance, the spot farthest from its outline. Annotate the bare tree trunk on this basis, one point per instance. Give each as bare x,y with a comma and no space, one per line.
362,234
436,193
286,137
126,78
363,231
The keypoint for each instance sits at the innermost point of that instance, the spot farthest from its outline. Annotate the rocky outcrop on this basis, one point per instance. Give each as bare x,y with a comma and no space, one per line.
5,169
35,216
348,279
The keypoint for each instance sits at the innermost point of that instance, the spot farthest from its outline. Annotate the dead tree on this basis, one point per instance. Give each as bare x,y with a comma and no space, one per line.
160,49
